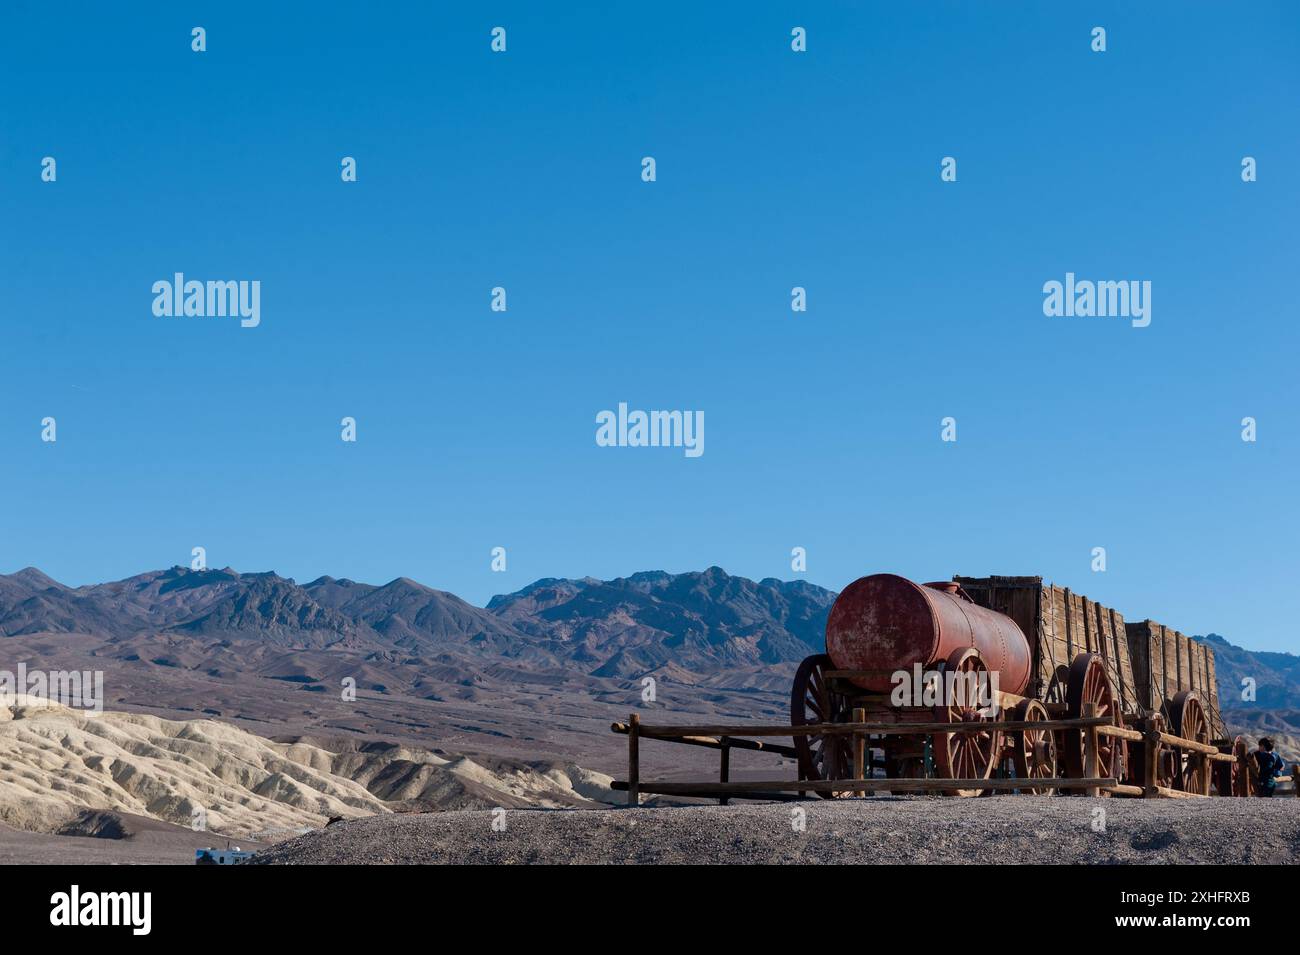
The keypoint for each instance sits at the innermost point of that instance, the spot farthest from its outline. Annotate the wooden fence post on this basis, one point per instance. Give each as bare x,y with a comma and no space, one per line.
1091,739
859,749
724,765
1150,756
633,760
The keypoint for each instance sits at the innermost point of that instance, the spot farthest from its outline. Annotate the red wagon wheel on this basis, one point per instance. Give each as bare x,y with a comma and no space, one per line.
966,755
1232,778
1034,750
1089,684
820,756
1168,764
1188,719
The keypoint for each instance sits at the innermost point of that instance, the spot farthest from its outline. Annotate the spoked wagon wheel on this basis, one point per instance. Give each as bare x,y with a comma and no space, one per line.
1168,765
1034,750
812,701
1089,684
966,755
1189,721
1231,779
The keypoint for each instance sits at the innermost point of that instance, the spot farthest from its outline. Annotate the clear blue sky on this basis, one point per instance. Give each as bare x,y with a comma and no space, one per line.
775,169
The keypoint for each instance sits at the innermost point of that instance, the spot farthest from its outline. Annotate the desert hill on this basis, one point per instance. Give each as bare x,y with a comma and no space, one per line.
56,764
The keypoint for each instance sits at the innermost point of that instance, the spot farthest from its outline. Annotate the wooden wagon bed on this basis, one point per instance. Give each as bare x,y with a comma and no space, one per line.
1167,663
1148,664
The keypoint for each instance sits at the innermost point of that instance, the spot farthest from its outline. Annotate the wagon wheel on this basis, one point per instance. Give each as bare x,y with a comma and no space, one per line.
1089,684
1034,750
1168,763
1189,721
1231,778
1057,685
812,701
966,755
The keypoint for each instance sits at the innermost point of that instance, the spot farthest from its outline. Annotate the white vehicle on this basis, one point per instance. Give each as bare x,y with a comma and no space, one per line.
210,856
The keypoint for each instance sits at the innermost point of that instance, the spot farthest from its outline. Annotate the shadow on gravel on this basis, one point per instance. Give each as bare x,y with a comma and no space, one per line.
1154,841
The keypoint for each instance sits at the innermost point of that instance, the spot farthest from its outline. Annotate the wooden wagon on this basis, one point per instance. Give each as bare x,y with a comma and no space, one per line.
1155,688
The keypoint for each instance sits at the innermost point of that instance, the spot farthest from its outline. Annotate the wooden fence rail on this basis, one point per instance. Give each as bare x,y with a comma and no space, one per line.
871,729
711,742
725,738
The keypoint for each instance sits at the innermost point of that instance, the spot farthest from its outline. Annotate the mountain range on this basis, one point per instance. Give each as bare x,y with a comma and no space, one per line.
550,663
696,621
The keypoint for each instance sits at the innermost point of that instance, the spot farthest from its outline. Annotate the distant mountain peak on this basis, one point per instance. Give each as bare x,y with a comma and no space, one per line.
260,575
36,579
406,583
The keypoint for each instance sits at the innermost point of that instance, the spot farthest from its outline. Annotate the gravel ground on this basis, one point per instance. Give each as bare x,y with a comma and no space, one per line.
879,830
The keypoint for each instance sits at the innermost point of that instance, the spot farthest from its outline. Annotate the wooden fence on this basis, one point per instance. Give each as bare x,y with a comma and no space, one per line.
726,738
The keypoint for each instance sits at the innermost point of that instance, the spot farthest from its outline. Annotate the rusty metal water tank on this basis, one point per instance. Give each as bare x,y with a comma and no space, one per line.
887,623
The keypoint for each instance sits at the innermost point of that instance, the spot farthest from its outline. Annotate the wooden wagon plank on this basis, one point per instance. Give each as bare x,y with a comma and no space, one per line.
1169,641
1144,642
1069,626
1084,638
1088,614
1140,656
1063,645
1218,728
1184,650
1124,663
1156,663
1052,647
1201,675
1210,691
1159,668
1101,620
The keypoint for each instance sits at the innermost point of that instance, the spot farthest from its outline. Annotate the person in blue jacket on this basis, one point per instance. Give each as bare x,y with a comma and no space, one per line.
1269,765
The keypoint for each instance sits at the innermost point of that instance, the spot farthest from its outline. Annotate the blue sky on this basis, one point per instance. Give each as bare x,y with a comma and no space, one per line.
775,169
